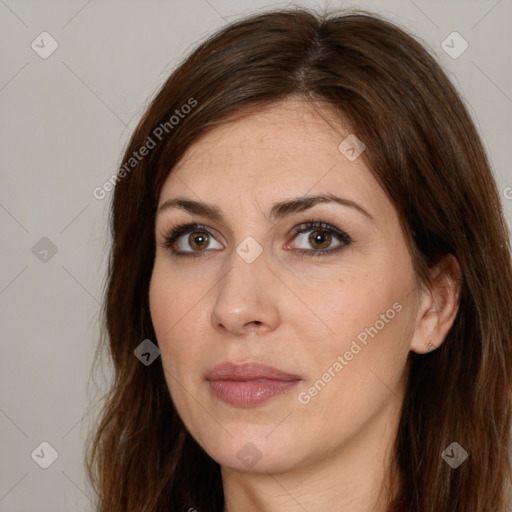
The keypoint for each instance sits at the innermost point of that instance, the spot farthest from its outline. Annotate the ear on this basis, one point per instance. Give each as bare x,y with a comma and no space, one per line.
438,306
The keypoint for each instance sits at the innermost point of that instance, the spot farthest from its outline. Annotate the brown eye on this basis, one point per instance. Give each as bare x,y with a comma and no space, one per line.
317,238
198,240
320,239
190,240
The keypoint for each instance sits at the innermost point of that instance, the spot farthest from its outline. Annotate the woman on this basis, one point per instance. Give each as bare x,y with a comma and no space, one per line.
306,225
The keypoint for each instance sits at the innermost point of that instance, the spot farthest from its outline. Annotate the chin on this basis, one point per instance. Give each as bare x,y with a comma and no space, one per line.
254,452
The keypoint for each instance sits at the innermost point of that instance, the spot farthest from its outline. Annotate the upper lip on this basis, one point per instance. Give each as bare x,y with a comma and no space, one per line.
248,371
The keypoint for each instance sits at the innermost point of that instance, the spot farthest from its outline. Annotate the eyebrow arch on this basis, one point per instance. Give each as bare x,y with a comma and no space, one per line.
278,211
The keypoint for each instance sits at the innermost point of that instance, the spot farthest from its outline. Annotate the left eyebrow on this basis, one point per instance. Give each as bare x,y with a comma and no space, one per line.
299,204
278,211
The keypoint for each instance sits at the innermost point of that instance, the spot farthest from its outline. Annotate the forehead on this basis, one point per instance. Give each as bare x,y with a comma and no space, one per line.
291,128
287,149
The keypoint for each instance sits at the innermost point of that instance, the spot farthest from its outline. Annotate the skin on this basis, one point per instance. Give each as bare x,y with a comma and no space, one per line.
291,311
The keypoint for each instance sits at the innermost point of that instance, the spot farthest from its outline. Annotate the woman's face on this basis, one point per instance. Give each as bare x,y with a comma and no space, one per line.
334,307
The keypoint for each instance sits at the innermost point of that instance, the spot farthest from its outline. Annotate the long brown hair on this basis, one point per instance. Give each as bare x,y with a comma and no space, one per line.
424,150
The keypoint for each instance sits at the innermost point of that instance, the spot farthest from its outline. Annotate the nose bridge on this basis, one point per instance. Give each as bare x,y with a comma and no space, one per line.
246,271
247,258
243,296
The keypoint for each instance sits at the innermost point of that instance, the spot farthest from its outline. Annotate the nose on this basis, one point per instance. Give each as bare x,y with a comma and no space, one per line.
247,298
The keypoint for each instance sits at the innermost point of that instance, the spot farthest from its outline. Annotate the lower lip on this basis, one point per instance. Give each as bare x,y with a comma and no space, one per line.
250,392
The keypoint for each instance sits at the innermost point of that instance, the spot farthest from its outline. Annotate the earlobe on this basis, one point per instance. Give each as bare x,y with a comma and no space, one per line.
430,345
438,306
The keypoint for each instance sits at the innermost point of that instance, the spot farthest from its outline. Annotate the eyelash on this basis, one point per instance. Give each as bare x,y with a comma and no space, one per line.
176,231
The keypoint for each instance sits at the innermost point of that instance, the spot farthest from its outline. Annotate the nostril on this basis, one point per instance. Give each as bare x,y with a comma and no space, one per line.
254,323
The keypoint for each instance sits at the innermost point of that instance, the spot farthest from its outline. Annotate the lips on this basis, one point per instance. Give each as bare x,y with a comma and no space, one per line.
248,371
249,384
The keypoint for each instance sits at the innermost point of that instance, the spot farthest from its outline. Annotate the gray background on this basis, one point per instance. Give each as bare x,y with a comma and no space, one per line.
65,121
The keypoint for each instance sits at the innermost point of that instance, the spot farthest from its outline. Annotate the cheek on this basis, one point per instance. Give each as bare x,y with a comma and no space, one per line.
162,314
354,301
179,320
170,299
176,359
168,316
370,318
358,374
